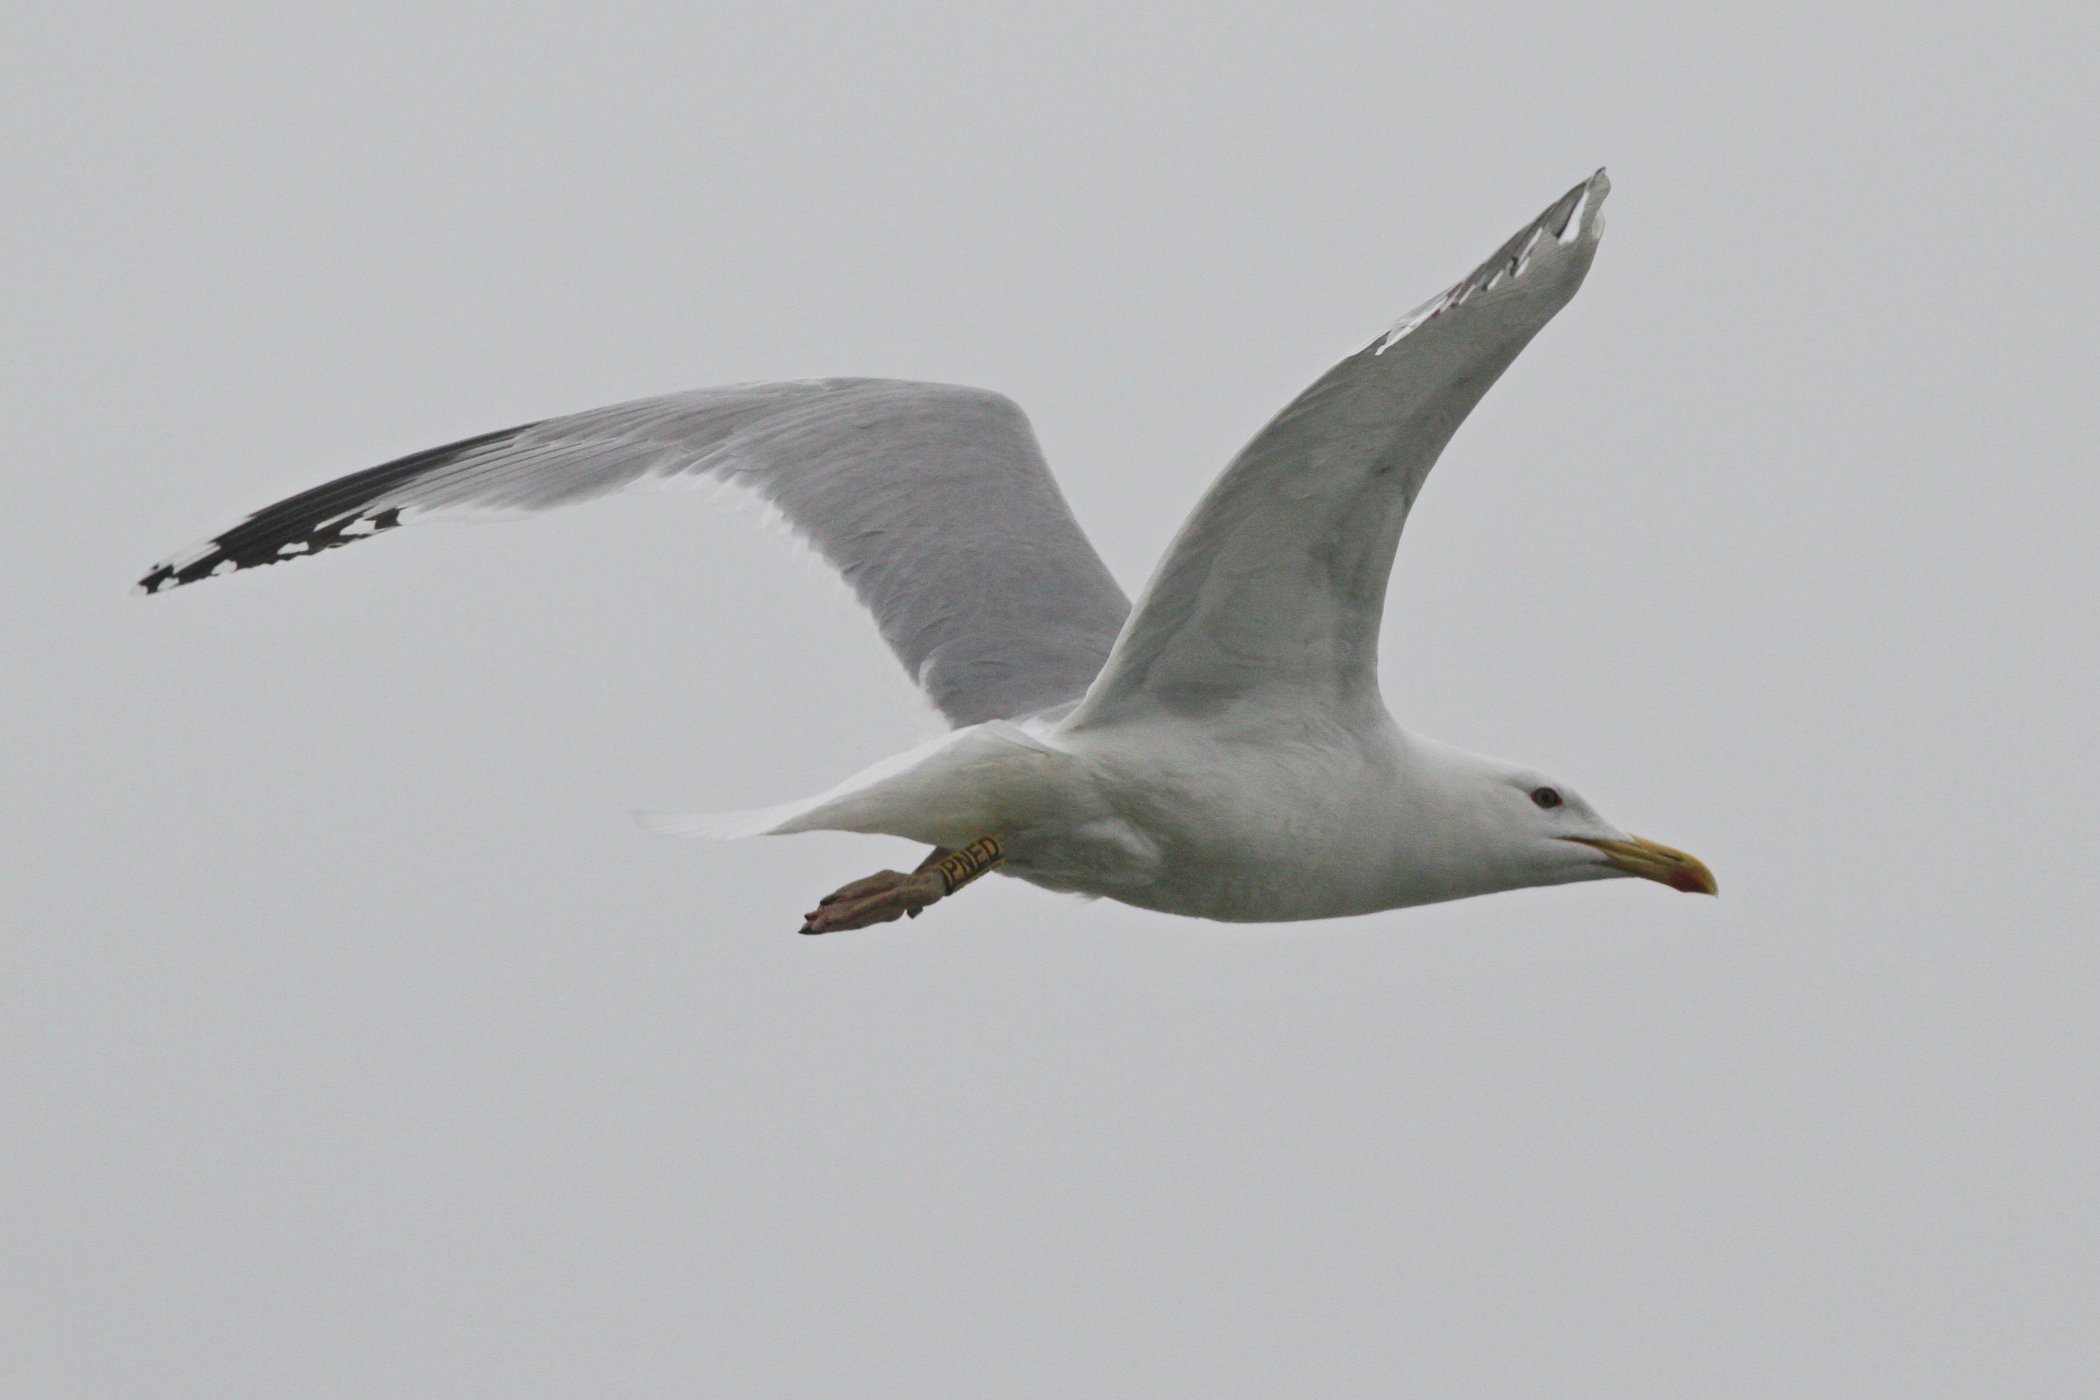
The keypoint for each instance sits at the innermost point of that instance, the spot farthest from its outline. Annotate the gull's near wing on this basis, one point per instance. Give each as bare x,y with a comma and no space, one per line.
1272,592
933,501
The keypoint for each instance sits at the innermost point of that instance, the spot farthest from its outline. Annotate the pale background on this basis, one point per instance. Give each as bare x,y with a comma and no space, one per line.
356,1044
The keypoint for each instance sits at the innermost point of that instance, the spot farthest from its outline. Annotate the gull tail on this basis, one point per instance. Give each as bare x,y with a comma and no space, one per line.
865,802
726,826
937,793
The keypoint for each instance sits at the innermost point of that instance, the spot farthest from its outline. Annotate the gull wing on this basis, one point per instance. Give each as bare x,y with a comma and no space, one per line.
1272,592
932,500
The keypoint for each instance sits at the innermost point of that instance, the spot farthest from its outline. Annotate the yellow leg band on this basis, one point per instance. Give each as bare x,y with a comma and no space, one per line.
963,866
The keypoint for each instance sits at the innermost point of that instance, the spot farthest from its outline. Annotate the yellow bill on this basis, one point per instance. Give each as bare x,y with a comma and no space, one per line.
1651,860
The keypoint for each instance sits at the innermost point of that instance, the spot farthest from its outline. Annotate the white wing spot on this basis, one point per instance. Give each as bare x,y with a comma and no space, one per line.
195,555
1524,253
1572,230
1411,322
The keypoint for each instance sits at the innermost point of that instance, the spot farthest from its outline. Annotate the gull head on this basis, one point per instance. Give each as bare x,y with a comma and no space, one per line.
1522,828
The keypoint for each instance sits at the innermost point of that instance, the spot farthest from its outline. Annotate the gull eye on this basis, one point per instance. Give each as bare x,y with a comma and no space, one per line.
1546,798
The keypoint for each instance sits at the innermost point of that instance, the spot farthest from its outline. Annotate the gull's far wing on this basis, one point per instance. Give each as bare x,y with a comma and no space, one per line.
1271,594
933,501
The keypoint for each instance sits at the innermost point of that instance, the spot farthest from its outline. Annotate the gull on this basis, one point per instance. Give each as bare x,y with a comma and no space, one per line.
1220,750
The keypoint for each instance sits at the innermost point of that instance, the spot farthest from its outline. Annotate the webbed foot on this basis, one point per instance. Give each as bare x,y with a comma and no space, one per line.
878,899
890,894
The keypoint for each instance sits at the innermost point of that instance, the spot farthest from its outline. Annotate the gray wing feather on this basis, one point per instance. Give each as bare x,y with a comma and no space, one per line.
932,500
1272,593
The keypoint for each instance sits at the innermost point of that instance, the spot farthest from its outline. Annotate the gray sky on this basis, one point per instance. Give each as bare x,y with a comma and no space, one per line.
353,1042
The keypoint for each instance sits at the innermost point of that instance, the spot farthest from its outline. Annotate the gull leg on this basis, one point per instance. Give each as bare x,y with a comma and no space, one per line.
888,894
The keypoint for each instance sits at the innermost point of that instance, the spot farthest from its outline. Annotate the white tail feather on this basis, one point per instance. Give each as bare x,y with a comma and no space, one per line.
716,826
921,794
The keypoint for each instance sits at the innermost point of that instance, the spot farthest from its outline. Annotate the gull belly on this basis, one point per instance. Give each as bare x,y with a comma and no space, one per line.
1244,826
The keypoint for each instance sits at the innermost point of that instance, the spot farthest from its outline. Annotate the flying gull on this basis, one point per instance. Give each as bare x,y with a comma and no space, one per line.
1221,749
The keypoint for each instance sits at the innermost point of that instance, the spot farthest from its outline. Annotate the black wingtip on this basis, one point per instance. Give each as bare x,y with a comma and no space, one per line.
337,513
243,547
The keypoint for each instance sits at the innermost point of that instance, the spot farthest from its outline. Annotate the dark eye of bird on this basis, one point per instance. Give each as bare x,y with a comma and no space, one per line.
1546,797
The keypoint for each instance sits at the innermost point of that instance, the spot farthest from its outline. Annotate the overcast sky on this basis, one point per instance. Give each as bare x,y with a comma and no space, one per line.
353,1042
